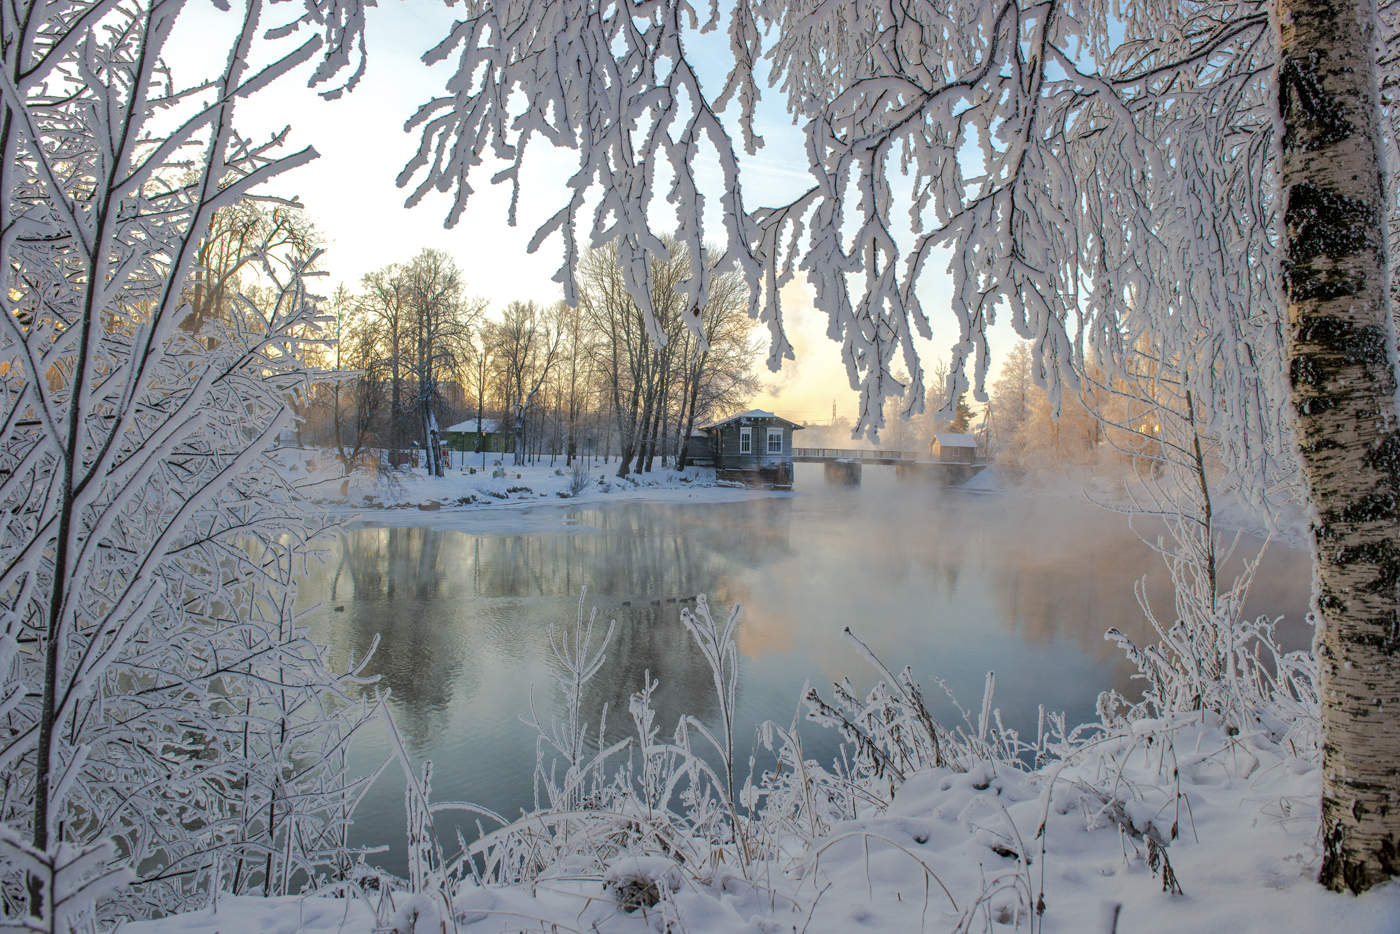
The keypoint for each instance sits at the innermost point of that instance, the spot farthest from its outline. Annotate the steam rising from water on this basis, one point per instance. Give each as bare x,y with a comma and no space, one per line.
949,583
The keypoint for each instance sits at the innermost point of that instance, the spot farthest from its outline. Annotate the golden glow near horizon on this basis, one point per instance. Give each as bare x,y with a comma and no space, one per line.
350,194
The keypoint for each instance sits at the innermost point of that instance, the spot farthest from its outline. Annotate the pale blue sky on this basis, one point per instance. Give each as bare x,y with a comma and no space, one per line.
350,191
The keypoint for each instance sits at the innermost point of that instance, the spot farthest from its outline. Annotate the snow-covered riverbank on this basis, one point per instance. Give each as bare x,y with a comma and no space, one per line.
954,848
319,476
492,495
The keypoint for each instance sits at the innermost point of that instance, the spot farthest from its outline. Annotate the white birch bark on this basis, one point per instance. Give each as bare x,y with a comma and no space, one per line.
1342,367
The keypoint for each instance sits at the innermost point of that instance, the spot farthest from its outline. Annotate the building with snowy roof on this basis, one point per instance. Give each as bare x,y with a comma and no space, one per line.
953,448
465,436
753,447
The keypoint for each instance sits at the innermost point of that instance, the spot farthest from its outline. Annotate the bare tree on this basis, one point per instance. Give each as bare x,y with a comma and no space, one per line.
1011,396
441,320
239,238
386,300
655,391
628,359
478,378
355,393
525,345
574,373
717,368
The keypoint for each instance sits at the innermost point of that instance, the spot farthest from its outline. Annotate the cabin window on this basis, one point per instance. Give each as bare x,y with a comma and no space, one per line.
775,441
745,440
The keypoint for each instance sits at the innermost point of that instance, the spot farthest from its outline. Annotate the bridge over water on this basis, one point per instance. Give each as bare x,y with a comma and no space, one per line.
843,465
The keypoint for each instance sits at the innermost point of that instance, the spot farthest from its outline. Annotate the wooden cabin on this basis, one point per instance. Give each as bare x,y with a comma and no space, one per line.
753,447
463,436
951,448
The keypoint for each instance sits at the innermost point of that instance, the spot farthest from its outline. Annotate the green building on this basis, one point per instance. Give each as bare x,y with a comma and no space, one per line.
464,436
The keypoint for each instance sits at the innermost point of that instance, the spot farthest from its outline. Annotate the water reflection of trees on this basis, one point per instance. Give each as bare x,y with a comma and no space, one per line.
442,601
390,583
635,552
447,603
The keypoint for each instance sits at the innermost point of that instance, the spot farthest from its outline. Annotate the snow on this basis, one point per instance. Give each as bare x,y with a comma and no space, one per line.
955,440
1246,858
471,495
487,426
751,413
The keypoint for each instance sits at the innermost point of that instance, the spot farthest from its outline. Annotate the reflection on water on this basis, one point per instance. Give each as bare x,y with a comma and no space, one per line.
951,585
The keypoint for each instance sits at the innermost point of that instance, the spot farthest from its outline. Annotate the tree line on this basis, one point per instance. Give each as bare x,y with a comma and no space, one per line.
411,354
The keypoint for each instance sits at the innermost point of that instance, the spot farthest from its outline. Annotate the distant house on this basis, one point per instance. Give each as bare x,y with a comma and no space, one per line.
952,448
753,447
463,436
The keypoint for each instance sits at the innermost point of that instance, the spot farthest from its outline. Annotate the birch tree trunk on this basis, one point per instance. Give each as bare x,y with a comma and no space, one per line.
1342,369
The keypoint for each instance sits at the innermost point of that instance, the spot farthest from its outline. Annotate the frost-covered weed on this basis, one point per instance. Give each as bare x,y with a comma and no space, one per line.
652,817
595,806
578,478
1208,656
1268,690
688,811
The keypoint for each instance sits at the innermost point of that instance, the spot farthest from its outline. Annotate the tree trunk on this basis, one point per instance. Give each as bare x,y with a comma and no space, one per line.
1342,370
628,428
691,403
519,437
663,432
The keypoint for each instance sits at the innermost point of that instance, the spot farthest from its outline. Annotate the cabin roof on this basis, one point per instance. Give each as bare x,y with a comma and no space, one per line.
952,440
752,413
488,425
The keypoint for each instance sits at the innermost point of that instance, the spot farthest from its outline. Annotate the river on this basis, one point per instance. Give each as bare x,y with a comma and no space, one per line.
953,585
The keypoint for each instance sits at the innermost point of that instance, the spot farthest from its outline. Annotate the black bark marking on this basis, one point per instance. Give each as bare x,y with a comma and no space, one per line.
1311,118
1375,506
1320,444
1303,372
1367,346
1338,871
1315,406
1326,288
1383,555
1383,641
1325,223
1385,457
1325,330
1328,600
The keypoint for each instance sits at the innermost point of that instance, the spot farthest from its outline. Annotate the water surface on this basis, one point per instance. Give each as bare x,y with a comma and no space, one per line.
952,585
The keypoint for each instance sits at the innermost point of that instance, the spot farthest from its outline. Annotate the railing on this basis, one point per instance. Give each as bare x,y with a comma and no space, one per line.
855,454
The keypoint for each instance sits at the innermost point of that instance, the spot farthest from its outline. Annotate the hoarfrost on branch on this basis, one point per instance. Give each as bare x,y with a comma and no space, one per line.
165,719
1088,171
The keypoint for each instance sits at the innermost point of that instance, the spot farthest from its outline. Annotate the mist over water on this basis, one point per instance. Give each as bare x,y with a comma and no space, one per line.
951,584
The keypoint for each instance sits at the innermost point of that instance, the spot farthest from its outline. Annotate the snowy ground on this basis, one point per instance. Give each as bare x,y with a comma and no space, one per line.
470,486
957,846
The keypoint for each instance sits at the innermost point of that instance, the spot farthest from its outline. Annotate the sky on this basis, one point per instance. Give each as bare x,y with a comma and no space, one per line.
350,193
